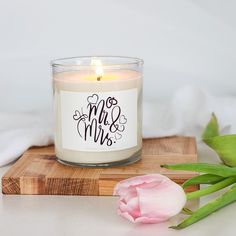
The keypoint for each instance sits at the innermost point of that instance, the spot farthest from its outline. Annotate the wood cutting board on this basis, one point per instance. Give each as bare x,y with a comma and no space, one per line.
38,172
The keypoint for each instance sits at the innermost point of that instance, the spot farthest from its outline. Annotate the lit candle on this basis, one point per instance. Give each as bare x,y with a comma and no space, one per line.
98,110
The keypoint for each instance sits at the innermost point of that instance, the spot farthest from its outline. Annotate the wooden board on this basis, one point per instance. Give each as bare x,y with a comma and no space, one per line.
38,172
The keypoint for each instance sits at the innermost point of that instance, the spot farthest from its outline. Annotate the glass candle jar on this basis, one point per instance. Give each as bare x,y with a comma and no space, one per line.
98,110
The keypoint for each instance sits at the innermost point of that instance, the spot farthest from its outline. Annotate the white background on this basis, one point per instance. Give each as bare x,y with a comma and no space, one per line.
181,41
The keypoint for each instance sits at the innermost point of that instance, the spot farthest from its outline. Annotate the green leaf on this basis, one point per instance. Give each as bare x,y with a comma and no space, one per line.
215,169
214,205
211,189
202,179
212,128
225,146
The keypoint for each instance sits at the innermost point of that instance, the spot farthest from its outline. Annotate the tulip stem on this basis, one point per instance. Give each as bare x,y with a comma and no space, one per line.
187,211
214,205
211,189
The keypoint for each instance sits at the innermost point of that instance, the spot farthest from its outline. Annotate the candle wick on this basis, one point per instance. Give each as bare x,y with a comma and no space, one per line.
99,78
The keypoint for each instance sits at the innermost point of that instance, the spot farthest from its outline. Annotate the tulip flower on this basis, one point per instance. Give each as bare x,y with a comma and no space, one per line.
149,199
224,145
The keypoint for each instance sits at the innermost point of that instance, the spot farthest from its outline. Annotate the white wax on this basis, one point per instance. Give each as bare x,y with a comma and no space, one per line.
77,81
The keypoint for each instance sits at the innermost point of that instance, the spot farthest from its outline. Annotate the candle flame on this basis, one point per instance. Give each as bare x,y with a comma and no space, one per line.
99,69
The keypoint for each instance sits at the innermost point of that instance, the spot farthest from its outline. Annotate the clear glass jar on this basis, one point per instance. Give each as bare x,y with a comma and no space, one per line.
98,110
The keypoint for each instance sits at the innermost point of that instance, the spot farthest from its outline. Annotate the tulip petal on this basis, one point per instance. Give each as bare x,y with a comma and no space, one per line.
126,193
148,220
163,201
137,180
132,207
125,215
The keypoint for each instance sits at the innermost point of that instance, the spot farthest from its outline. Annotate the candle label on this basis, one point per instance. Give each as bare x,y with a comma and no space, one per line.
102,121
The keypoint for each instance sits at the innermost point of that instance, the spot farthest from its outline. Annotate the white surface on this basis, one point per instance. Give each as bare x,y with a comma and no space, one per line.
67,215
181,42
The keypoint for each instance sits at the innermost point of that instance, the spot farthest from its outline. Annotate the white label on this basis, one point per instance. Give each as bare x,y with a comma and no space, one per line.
101,121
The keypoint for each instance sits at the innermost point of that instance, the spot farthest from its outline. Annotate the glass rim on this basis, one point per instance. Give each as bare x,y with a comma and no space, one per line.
128,61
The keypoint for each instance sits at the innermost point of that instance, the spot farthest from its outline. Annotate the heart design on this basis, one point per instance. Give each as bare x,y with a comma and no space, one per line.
121,128
123,119
93,99
77,115
113,101
118,136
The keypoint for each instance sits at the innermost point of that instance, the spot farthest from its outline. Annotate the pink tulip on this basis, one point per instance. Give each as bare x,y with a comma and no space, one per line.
149,198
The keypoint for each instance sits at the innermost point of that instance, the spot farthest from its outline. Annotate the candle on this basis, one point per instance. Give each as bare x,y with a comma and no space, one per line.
98,110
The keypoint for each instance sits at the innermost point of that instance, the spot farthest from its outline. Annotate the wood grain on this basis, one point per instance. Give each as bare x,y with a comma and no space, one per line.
38,172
